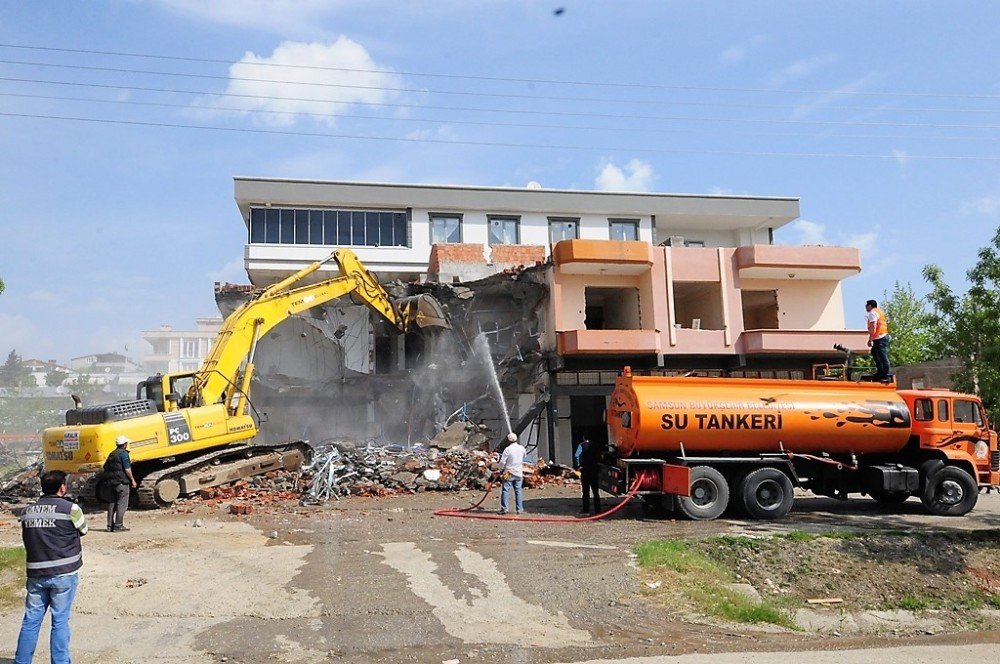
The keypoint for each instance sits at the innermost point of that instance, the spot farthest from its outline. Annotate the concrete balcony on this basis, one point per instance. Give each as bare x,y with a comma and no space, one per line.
801,342
602,257
801,263
606,342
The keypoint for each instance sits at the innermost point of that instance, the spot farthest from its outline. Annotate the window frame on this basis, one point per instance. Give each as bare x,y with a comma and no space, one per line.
563,220
431,216
513,218
943,410
929,410
271,224
622,221
976,414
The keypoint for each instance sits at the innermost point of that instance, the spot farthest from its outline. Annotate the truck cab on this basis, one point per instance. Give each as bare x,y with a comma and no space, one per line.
953,427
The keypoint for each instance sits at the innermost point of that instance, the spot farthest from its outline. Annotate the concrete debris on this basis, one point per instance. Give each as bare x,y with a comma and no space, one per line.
348,470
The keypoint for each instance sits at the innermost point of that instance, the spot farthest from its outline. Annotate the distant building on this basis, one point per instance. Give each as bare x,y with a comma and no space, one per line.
41,369
103,363
180,350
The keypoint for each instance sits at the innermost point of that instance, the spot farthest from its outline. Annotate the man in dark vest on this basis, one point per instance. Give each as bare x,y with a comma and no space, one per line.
588,457
117,480
51,530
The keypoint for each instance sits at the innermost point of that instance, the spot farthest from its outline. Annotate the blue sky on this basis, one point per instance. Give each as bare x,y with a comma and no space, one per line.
884,118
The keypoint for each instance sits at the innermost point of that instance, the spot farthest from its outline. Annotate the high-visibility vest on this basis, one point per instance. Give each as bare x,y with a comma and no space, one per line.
881,324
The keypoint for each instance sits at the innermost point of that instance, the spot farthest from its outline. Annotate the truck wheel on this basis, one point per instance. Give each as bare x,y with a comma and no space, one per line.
950,491
766,494
709,495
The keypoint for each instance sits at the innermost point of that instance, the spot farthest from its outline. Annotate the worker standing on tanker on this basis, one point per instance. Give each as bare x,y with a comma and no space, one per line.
878,340
118,477
512,469
587,457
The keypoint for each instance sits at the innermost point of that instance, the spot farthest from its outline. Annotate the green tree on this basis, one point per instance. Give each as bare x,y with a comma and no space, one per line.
2,286
912,327
84,388
55,378
13,372
968,326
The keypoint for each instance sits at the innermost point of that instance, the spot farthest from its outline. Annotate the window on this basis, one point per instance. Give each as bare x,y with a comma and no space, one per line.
359,228
446,228
967,412
624,229
189,348
563,229
923,410
504,230
944,413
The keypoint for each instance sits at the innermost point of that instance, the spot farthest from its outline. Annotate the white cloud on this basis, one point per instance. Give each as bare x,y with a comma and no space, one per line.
284,17
902,158
801,69
810,232
739,52
233,272
346,63
720,191
984,205
873,255
16,331
43,297
439,133
639,177
837,94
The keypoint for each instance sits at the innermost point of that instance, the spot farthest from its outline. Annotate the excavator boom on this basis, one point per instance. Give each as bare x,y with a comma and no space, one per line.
178,416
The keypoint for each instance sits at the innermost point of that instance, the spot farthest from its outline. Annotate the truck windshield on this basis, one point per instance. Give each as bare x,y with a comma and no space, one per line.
967,412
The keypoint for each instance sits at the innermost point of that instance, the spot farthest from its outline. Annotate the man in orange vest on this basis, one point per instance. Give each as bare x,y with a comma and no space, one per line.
878,340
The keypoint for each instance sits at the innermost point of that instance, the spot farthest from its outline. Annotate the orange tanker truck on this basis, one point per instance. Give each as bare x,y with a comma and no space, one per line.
715,443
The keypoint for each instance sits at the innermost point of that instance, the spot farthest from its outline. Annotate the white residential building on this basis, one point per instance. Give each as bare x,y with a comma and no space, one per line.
180,350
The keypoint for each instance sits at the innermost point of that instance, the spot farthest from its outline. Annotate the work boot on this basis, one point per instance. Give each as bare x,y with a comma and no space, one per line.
121,529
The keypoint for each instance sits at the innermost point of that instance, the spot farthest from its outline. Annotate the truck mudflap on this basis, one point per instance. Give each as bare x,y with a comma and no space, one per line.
655,477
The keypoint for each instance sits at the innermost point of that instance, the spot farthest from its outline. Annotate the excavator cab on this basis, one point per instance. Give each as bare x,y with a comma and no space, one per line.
168,391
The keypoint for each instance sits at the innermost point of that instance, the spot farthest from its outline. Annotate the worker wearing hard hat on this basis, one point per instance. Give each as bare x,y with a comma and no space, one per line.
117,478
512,469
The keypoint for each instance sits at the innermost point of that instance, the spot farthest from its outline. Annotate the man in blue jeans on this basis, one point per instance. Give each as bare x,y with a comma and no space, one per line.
51,530
512,469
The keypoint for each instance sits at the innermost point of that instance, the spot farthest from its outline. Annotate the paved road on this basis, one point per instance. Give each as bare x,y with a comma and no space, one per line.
365,581
900,655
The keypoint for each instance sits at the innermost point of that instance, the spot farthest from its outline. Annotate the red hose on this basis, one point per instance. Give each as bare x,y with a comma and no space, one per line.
464,512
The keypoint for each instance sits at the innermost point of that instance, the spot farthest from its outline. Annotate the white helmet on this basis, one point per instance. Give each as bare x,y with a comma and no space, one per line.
512,437
121,441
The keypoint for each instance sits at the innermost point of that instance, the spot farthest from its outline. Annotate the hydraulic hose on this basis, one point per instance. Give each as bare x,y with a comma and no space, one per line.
467,512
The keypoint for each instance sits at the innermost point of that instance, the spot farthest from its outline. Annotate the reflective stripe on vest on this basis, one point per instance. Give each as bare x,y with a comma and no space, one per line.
45,564
881,324
51,540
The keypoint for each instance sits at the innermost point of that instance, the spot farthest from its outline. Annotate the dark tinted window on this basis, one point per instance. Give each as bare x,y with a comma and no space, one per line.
944,412
256,225
967,412
330,227
923,410
624,229
315,227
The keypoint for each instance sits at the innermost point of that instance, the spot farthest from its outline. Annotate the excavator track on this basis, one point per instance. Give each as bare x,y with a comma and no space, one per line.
162,487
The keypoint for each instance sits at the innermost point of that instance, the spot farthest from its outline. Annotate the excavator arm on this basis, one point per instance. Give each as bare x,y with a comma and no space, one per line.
236,343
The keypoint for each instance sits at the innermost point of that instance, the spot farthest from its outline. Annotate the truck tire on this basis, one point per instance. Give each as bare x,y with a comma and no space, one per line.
765,494
950,491
709,495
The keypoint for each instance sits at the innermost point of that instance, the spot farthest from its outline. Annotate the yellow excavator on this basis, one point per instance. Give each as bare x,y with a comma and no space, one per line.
190,431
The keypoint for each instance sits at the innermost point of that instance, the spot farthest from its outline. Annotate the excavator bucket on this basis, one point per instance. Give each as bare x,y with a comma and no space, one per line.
422,311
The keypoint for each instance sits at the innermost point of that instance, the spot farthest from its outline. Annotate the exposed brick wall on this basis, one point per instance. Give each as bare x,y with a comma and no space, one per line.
517,254
454,253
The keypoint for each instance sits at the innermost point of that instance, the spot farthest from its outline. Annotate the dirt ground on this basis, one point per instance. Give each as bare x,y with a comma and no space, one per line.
383,580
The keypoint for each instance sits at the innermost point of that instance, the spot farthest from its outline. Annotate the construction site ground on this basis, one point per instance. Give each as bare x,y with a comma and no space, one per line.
383,580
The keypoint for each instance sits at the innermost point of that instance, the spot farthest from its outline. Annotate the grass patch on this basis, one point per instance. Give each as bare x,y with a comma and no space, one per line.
11,574
993,601
915,603
704,582
798,536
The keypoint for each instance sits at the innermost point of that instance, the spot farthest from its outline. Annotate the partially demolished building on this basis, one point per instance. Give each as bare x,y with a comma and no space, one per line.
565,286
